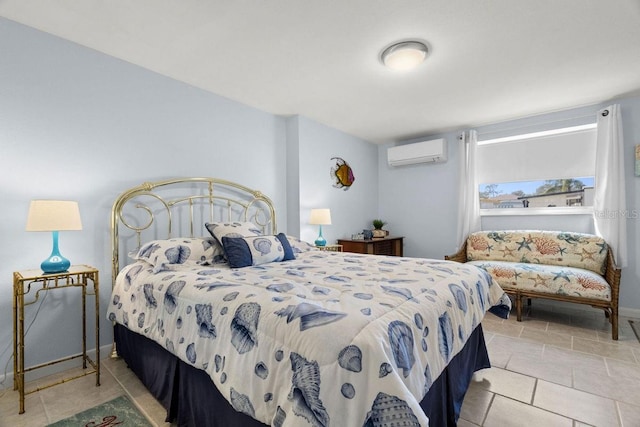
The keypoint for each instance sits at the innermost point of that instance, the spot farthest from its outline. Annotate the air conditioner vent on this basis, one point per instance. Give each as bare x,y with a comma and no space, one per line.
419,152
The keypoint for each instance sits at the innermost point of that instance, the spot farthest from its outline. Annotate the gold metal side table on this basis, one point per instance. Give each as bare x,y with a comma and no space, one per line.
330,248
27,281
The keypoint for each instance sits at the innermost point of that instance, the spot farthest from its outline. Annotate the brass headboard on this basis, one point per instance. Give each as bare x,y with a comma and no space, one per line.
179,208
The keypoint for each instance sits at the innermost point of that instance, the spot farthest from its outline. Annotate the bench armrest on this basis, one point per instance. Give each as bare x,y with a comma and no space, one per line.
460,256
612,276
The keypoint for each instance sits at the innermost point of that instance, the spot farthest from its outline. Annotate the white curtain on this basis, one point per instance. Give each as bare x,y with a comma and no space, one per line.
609,203
468,203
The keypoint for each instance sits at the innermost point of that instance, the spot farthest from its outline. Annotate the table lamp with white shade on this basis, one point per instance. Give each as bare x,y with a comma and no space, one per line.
320,217
54,216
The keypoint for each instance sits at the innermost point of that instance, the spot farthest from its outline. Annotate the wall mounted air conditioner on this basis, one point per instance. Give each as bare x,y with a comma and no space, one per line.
420,152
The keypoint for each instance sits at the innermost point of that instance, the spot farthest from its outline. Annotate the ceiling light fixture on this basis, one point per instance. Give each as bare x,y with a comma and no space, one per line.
404,56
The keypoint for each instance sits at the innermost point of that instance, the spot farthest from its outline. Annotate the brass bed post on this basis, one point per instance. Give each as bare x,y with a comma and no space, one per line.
114,263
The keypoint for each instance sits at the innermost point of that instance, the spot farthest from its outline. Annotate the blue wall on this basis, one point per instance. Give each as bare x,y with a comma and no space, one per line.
351,210
77,124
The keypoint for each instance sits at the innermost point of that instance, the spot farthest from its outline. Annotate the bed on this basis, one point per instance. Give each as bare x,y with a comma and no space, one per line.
230,323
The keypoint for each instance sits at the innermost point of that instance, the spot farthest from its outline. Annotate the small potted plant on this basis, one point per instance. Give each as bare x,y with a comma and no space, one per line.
377,228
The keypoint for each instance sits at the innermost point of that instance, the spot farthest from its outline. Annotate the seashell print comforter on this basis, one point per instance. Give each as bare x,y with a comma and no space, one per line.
329,338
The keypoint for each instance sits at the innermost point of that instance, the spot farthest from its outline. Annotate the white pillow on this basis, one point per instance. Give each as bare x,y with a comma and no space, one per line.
298,246
163,253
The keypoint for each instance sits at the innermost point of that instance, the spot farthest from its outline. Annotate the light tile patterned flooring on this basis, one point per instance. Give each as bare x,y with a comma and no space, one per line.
558,367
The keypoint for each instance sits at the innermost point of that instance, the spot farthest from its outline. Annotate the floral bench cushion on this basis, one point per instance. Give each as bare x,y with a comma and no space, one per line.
577,250
551,279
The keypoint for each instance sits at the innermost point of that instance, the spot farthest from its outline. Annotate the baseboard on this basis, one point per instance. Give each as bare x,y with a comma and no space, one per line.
105,352
629,312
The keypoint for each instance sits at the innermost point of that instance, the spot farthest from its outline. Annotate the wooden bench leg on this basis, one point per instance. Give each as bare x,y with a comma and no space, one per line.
612,316
519,307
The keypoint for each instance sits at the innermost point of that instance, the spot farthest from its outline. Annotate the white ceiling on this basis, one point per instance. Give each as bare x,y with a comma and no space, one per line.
490,60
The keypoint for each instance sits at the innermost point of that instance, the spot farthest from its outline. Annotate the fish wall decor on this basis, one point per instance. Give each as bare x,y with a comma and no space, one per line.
342,174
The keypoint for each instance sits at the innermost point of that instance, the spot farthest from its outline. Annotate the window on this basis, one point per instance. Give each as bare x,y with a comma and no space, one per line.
542,170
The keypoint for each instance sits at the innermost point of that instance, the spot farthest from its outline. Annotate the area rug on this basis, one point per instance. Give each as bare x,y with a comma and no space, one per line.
117,412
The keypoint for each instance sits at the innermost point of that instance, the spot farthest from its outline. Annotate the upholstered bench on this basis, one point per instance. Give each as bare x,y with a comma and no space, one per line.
573,267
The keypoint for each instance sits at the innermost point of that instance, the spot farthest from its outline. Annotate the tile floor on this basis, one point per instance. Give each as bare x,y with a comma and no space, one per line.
558,367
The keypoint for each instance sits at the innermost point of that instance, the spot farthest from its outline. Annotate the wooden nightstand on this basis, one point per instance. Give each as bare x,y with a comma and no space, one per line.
30,283
330,248
381,246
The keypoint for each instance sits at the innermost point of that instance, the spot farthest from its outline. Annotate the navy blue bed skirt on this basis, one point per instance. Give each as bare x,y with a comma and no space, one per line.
191,399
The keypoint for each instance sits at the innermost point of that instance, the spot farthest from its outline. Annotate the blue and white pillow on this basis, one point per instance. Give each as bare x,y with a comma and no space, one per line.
257,250
161,254
232,229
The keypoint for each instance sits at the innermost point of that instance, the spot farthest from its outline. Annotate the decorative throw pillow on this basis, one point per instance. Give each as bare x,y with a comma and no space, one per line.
232,229
300,246
163,253
257,250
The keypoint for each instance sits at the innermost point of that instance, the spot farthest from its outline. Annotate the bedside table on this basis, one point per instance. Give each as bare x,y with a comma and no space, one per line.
380,246
330,248
30,283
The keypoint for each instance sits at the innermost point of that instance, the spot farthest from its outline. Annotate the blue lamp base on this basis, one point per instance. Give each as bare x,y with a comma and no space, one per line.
56,263
320,241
